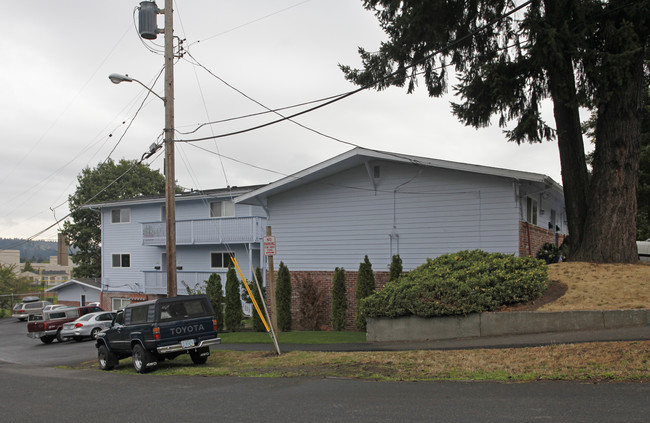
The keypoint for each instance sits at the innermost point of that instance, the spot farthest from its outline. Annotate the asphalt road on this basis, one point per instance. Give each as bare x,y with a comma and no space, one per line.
33,389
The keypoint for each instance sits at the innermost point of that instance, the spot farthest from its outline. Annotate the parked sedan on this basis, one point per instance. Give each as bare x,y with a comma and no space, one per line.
644,250
88,325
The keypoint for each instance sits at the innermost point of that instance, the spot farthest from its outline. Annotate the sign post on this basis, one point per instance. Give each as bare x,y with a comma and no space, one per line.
269,251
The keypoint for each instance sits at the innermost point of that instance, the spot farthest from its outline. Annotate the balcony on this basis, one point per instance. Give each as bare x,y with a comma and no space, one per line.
225,230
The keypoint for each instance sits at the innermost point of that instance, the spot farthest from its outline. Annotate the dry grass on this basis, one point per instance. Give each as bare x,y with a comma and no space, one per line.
601,286
589,287
621,361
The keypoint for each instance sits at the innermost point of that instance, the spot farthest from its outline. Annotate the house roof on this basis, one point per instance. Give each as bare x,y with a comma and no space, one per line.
221,193
92,283
361,156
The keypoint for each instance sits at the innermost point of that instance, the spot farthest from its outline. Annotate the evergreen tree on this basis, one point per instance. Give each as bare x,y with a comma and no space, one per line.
234,311
214,291
109,181
395,268
28,266
365,288
510,58
258,326
283,298
339,299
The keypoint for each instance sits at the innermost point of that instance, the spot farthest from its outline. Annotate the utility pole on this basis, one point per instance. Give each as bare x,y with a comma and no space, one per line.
170,174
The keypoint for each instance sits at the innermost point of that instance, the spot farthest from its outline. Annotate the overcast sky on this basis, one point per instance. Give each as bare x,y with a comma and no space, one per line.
59,112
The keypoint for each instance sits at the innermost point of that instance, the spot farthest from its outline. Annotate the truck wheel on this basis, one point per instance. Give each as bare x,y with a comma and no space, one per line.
141,359
60,337
200,356
107,359
47,339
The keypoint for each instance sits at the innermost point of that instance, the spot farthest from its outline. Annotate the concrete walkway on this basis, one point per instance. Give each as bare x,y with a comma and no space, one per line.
641,333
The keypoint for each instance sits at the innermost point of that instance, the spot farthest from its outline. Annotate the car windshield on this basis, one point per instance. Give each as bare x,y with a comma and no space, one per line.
85,317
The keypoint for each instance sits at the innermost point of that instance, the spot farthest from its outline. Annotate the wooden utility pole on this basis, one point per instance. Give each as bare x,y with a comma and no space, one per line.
170,174
274,308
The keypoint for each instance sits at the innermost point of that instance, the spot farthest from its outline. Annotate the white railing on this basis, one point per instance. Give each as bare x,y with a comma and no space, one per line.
223,230
155,282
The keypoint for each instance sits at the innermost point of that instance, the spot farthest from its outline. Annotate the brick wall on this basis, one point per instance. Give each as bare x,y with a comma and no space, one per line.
532,238
107,298
324,279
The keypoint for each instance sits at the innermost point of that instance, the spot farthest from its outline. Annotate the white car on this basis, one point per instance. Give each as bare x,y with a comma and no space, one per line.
644,250
88,325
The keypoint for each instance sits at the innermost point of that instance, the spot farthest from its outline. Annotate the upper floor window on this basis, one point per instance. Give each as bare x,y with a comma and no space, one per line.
531,210
221,260
120,215
121,260
222,209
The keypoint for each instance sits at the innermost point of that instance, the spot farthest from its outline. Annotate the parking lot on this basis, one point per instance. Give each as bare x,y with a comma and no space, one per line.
17,348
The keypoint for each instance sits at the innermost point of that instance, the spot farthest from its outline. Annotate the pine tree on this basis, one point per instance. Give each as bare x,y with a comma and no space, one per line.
283,298
234,311
258,326
365,288
214,291
395,268
339,299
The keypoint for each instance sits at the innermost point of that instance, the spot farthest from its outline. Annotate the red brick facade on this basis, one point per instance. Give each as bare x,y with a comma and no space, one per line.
107,298
532,238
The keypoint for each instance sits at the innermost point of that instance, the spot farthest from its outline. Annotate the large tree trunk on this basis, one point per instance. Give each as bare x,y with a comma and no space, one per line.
611,218
561,80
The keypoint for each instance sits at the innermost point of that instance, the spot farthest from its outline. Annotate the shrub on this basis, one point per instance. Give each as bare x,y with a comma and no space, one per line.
460,283
365,288
214,291
234,311
258,326
311,303
283,298
550,253
339,299
395,268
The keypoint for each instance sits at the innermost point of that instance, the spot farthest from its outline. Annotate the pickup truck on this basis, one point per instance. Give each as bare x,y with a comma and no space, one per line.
47,326
155,330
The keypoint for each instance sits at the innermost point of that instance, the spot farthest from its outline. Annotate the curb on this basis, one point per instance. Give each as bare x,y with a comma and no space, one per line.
413,328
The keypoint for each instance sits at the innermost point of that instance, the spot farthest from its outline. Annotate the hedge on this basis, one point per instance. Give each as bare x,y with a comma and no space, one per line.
460,283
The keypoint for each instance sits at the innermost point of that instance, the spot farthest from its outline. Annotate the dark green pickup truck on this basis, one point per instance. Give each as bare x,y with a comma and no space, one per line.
155,330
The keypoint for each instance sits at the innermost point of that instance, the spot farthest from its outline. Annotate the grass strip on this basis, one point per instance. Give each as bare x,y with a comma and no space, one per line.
592,362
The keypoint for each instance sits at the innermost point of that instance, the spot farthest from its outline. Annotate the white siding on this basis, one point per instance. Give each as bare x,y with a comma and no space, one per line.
336,221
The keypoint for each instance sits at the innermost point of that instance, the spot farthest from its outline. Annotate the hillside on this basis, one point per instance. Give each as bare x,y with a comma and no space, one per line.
35,251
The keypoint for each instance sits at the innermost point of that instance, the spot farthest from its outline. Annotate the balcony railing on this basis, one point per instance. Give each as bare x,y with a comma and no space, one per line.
155,282
223,230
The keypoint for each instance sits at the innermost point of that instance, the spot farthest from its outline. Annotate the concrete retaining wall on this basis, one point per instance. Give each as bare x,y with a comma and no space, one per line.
414,328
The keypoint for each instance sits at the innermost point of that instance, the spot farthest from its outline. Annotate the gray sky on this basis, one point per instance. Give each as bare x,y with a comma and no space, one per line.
59,113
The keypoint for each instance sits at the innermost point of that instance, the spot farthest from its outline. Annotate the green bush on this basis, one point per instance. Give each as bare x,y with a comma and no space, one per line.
234,311
339,299
460,283
214,291
283,298
365,288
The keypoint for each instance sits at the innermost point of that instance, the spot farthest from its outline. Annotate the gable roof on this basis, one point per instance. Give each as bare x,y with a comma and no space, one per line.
92,283
361,156
221,193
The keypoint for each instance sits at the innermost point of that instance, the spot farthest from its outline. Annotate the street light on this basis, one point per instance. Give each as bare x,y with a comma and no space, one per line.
170,188
116,78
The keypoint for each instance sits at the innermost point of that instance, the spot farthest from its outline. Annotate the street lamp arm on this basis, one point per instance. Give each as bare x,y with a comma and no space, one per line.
116,78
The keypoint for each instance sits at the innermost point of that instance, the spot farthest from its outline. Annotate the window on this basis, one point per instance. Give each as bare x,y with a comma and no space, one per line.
120,303
121,260
222,209
220,260
531,211
139,314
120,215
